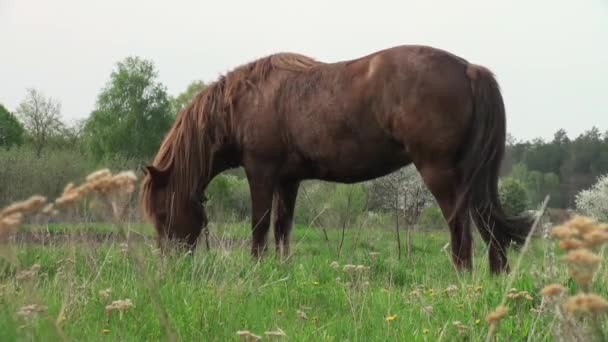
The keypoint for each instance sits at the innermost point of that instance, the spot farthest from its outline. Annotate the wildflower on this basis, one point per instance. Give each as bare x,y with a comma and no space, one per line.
497,315
28,274
302,315
570,244
519,295
416,293
596,238
425,331
105,331
563,232
105,293
586,303
450,290
582,257
582,277
361,268
279,312
276,333
334,265
31,310
315,283
552,290
391,318
477,321
582,224
428,309
119,305
462,329
349,268
99,174
28,206
248,336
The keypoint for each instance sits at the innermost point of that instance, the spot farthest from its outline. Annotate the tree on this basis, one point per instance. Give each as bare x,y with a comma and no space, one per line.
132,113
404,193
513,196
11,130
183,99
41,117
594,201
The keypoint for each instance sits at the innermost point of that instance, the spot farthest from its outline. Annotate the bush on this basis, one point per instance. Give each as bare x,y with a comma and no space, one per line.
594,201
513,196
432,218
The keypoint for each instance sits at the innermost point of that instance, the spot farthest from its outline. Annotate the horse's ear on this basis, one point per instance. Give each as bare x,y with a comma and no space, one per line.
159,177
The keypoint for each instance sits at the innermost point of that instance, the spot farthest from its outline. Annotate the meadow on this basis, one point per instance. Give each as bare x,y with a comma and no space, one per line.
119,288
109,281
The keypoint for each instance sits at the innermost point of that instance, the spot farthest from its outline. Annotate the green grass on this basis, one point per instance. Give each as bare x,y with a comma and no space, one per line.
209,296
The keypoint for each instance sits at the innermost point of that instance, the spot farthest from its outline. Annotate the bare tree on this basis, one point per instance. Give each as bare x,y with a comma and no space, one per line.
40,117
404,193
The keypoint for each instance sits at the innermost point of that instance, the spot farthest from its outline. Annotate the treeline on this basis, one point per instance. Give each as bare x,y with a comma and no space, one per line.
560,168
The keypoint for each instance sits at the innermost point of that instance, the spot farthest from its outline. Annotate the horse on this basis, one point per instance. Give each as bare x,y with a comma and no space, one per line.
287,117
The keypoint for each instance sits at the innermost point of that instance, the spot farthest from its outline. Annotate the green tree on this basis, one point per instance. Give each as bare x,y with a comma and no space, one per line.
132,113
11,130
183,99
513,196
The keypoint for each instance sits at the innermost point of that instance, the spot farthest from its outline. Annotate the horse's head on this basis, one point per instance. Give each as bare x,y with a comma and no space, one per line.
175,213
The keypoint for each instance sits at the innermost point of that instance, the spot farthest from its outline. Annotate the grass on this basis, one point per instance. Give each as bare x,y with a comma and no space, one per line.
211,295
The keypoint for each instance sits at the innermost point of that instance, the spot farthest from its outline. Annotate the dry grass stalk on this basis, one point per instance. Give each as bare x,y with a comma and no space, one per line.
579,237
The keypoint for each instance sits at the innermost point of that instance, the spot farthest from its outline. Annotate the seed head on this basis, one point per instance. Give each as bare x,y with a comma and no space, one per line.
497,315
552,290
586,304
564,232
570,244
595,238
582,257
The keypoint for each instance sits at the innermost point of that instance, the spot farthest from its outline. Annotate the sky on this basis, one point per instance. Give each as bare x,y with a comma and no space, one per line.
550,57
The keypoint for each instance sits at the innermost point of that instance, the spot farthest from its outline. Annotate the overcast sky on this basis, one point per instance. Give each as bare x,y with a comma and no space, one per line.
550,56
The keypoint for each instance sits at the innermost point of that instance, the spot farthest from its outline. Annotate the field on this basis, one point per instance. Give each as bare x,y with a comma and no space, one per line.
74,273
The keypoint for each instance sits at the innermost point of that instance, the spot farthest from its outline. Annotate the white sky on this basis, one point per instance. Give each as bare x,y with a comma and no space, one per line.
550,56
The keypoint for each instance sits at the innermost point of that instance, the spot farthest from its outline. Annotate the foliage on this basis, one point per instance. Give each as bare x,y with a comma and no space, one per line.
228,197
538,185
346,203
11,130
573,164
182,100
594,201
132,113
432,218
402,191
41,117
513,196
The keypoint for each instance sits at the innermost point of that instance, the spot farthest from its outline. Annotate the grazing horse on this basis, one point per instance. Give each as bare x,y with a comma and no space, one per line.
286,117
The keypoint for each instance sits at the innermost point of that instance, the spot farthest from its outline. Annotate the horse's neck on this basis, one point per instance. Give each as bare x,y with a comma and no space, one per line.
224,158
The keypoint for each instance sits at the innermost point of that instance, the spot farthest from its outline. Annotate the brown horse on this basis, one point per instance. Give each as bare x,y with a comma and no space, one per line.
287,117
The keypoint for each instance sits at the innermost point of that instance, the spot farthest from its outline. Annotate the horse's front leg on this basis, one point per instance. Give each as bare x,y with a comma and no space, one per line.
261,185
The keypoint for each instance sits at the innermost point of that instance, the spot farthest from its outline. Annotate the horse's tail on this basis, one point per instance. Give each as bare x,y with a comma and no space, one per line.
481,159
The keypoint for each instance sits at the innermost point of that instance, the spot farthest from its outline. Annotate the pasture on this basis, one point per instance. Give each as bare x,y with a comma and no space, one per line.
62,280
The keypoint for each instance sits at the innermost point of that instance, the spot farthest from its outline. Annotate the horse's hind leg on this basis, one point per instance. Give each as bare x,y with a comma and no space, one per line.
443,184
284,203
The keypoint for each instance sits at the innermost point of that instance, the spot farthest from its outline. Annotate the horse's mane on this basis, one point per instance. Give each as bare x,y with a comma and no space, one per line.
186,150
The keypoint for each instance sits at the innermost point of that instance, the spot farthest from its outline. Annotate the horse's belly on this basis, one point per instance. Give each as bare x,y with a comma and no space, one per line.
360,163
